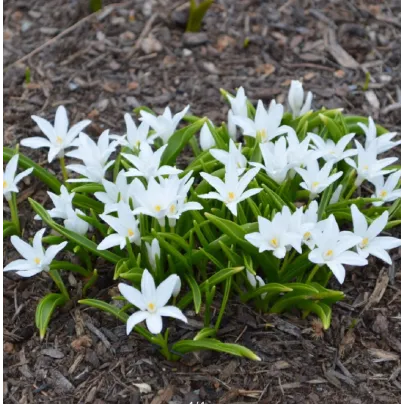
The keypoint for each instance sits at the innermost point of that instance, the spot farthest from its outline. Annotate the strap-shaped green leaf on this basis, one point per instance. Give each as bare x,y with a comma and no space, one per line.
214,345
72,236
271,289
196,292
45,309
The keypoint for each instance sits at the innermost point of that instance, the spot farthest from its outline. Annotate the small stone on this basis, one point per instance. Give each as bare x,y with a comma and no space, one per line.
151,45
114,65
210,67
102,104
186,52
132,102
194,38
26,25
53,353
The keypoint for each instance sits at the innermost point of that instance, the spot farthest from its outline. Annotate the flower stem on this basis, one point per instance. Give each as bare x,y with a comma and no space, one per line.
63,167
351,191
312,273
55,275
14,212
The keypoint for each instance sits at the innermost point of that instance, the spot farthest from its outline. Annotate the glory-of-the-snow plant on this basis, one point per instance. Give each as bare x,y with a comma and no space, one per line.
274,208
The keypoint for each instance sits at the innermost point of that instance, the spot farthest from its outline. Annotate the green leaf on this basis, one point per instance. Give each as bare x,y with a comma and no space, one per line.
45,309
333,129
120,315
178,141
196,292
196,14
24,162
72,236
205,333
68,266
213,345
324,201
89,188
84,202
271,289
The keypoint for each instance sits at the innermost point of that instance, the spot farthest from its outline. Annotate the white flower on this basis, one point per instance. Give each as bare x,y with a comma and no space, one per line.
331,151
125,225
305,223
151,302
232,190
63,209
382,142
231,125
94,156
256,282
115,192
59,137
177,287
153,252
386,190
296,98
275,158
10,179
332,249
135,136
147,163
35,258
275,235
206,139
371,244
367,166
336,194
238,103
75,223
316,180
234,153
299,153
163,125
265,125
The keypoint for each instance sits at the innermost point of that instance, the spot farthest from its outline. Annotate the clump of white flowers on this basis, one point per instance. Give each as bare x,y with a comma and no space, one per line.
289,198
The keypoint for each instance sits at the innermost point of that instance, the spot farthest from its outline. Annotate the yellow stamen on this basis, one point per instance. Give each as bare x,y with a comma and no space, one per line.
151,306
137,143
274,242
366,167
364,242
306,235
130,232
157,208
172,208
329,253
59,140
37,261
231,196
383,193
4,184
261,135
315,184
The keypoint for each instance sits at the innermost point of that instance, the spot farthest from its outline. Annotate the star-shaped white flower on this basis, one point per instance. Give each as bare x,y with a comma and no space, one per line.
371,243
232,190
153,253
206,139
383,142
164,125
331,151
234,153
151,302
58,137
386,190
10,179
147,163
35,258
266,124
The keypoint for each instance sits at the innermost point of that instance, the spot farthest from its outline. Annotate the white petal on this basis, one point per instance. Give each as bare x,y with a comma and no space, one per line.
110,241
148,287
135,319
35,142
19,265
45,127
53,250
154,323
132,295
338,270
172,311
165,290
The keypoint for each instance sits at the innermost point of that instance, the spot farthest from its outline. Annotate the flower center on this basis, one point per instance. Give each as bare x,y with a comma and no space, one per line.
262,135
315,184
231,196
157,208
328,254
383,193
365,167
364,243
172,209
130,233
5,184
59,140
306,235
37,260
274,242
151,307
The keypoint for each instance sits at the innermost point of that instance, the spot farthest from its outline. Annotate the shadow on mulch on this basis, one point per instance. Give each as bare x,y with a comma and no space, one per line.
135,54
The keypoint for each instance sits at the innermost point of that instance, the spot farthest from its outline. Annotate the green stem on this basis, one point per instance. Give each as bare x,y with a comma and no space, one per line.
312,273
55,275
14,212
63,168
351,191
224,303
132,258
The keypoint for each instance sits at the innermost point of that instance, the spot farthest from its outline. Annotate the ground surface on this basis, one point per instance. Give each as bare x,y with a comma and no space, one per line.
135,54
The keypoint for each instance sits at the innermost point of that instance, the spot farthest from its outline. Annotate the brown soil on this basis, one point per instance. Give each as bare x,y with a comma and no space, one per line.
135,54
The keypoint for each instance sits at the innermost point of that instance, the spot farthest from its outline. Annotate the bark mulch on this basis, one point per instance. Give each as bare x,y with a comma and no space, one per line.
134,53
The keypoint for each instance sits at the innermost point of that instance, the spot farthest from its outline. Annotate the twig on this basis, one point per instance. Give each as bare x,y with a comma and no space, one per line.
144,32
99,334
63,33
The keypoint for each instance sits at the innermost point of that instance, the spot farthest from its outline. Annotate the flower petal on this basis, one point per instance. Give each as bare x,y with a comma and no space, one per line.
172,311
135,319
132,295
154,323
165,290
